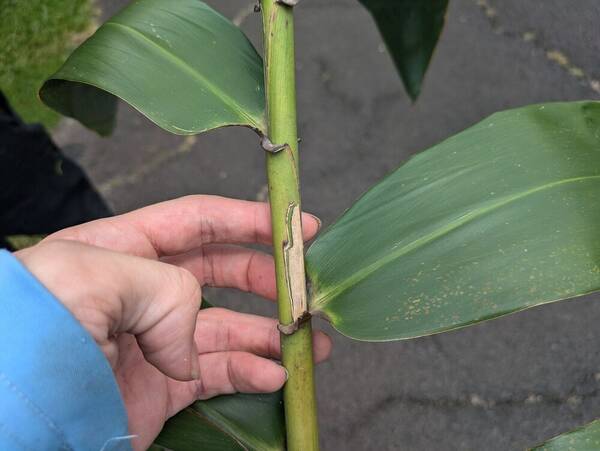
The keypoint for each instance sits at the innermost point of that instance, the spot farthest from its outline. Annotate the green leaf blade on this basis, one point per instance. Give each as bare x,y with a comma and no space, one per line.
180,63
238,422
411,30
189,431
497,219
234,422
586,438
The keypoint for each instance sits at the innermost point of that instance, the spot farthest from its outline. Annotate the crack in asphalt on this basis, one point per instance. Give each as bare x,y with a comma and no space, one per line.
344,97
573,399
530,37
138,173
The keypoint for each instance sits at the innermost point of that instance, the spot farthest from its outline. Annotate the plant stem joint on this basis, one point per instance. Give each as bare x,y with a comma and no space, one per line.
288,2
290,329
268,146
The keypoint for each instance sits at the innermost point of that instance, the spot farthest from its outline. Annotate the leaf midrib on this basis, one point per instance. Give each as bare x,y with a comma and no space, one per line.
218,427
362,274
231,429
218,92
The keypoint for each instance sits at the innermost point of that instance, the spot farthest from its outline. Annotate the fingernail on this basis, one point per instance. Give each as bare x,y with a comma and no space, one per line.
319,222
287,374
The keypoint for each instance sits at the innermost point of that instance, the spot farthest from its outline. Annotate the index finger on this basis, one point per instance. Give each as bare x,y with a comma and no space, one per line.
180,225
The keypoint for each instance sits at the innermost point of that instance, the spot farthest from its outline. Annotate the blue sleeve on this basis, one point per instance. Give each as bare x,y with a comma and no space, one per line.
57,390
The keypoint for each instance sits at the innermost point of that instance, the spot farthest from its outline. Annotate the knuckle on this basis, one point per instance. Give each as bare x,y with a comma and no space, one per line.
232,372
70,254
242,372
208,265
61,244
186,286
200,388
274,342
70,233
208,231
249,284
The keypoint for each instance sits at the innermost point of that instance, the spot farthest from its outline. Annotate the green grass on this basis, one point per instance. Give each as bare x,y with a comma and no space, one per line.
22,241
36,36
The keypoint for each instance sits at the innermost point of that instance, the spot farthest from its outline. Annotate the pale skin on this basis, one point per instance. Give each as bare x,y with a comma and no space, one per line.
134,282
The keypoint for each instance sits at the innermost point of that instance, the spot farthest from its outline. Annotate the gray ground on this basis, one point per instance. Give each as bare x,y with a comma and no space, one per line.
502,385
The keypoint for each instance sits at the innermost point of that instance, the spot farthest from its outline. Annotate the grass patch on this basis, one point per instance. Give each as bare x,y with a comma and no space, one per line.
36,36
22,241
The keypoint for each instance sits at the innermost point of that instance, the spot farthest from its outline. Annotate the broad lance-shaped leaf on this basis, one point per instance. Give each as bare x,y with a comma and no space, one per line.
179,62
502,217
410,29
586,438
239,422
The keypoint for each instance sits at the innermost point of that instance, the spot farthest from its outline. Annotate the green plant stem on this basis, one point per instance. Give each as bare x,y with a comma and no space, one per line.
284,195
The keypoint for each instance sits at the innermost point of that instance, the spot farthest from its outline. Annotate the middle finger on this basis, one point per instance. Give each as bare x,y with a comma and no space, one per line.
219,330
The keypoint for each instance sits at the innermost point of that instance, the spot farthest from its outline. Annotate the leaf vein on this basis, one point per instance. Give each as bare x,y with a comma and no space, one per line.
362,274
218,92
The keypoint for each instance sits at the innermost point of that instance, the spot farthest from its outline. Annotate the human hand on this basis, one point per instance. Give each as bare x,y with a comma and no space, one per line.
134,282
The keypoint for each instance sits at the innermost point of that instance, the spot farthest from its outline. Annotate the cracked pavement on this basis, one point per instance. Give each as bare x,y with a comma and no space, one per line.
502,385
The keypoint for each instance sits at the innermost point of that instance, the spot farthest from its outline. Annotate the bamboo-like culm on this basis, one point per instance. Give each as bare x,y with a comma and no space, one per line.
288,248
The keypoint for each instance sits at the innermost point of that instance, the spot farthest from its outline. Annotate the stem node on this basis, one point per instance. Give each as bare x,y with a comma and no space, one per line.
288,2
290,329
268,146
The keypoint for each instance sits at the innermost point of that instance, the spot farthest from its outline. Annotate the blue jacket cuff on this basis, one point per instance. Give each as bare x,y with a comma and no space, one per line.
57,390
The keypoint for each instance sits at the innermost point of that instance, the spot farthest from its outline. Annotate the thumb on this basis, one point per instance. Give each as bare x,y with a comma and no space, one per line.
160,308
111,293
